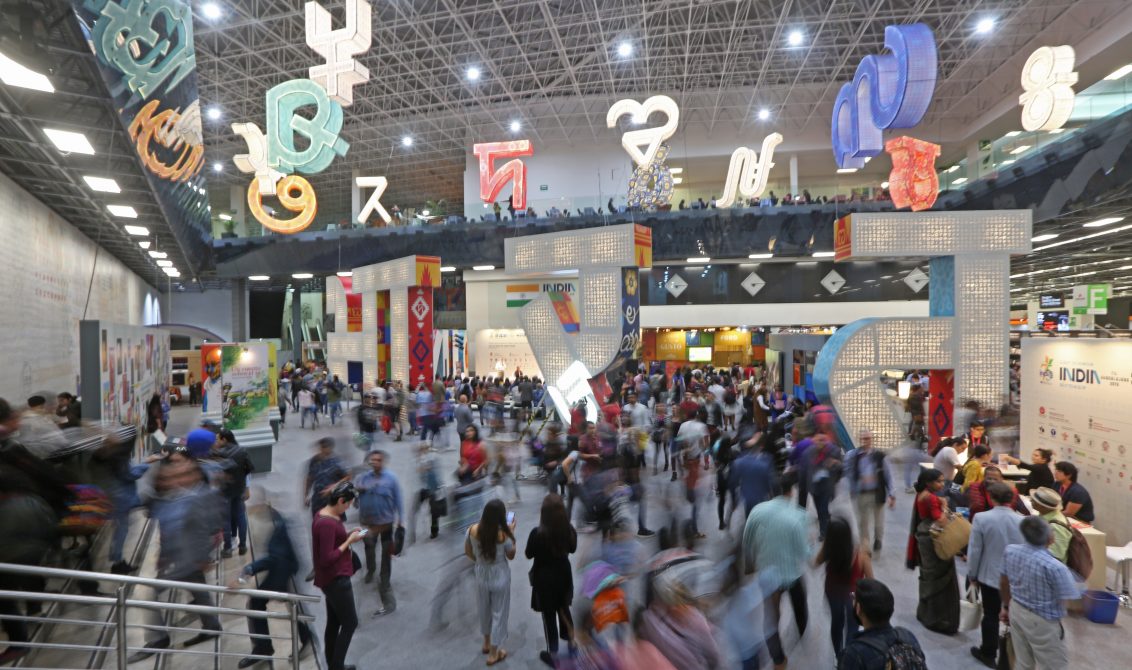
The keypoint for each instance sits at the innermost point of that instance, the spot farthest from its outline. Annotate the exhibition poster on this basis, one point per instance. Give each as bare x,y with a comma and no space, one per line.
238,382
1077,401
130,364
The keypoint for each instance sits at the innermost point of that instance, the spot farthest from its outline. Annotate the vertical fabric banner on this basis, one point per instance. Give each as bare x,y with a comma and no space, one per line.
353,306
420,335
384,365
941,405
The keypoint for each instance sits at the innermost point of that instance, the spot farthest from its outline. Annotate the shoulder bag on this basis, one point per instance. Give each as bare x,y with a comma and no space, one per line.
950,539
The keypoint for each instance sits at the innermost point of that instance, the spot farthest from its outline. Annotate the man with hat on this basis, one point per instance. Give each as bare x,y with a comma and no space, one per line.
1047,504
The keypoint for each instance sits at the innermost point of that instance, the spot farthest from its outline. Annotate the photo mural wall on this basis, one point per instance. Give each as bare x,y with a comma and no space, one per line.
123,367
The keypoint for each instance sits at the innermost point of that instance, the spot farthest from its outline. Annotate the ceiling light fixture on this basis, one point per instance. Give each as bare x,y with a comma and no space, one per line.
516,126
1103,222
985,26
448,268
676,170
164,264
884,184
211,10
158,254
217,167
302,275
677,180
960,180
758,256
259,278
483,268
172,272
846,170
137,230
699,259
144,244
225,217
102,184
1022,149
951,169
407,141
213,113
15,74
1014,133
345,273
1045,237
124,211
624,49
795,38
69,142
764,114
1057,131
1082,238
1120,73
823,254
473,73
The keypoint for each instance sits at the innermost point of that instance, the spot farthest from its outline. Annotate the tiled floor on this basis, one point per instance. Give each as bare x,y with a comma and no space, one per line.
404,639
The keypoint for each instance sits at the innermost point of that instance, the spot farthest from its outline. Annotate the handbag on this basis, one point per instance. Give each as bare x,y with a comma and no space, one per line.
950,539
970,610
355,561
398,540
1005,650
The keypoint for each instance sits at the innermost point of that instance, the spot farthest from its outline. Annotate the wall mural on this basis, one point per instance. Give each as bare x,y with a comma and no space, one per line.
123,366
146,56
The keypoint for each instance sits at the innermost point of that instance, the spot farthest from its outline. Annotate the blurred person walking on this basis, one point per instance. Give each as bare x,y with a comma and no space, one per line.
236,466
552,587
870,485
752,473
846,564
381,511
824,469
991,533
1034,585
430,492
333,567
490,544
307,406
39,432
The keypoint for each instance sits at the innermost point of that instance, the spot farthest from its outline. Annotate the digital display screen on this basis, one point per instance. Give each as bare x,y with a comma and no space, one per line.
699,354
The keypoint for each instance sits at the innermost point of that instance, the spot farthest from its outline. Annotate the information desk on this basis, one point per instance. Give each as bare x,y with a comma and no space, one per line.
1008,471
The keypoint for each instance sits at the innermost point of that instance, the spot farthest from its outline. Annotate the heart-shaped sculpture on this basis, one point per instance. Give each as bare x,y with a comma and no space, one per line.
634,139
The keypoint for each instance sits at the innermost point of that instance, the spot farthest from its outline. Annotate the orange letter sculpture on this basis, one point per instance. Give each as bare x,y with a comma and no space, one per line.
492,180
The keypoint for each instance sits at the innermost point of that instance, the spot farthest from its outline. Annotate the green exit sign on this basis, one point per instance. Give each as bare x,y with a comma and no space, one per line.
543,187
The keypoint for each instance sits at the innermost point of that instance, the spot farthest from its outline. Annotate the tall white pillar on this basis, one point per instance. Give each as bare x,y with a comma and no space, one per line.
794,175
355,196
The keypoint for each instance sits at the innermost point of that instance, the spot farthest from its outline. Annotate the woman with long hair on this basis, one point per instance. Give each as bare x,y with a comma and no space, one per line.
845,564
490,544
938,609
552,587
473,457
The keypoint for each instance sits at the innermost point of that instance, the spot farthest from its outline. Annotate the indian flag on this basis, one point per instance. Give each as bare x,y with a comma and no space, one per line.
520,294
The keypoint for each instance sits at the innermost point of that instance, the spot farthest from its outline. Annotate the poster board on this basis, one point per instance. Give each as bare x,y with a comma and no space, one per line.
122,366
1077,401
240,382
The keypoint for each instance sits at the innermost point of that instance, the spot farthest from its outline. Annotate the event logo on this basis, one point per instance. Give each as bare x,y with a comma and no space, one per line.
888,91
1079,375
1045,373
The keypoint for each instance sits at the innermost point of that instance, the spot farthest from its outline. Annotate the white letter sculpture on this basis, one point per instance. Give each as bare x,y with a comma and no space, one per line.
255,161
341,73
378,185
1048,78
969,304
748,171
608,261
634,139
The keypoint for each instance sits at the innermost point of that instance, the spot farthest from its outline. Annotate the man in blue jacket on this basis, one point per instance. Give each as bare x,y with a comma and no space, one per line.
381,508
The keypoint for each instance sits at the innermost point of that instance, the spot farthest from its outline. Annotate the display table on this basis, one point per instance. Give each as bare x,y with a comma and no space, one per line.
1096,541
1008,471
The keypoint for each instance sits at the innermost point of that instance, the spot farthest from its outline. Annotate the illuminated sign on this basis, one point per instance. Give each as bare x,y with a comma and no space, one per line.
493,180
633,140
748,171
913,181
888,91
1047,79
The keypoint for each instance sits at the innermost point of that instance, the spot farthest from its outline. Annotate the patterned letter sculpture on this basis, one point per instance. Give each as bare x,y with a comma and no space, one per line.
969,303
888,91
634,139
492,180
748,172
1048,79
127,30
341,73
174,132
255,161
283,122
913,181
607,260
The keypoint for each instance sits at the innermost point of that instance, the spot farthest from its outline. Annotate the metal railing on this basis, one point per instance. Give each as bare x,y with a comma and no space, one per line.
121,605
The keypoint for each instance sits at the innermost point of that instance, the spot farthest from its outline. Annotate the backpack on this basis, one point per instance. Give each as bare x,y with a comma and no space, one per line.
903,653
1078,557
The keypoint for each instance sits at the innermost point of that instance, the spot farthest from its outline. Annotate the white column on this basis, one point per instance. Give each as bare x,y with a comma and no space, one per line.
794,175
355,196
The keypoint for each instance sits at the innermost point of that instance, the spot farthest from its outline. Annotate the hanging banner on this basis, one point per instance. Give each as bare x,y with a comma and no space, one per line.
420,336
353,306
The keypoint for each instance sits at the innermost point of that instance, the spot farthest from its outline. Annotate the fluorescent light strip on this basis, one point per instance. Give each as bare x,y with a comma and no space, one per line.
823,254
846,170
483,268
699,259
761,256
124,211
448,268
15,74
69,142
158,254
1022,149
960,180
1082,238
1044,237
1103,222
137,230
164,264
259,278
1120,73
345,273
302,275
102,184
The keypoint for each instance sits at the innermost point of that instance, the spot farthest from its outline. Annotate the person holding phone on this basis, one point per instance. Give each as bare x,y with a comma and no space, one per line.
490,544
333,568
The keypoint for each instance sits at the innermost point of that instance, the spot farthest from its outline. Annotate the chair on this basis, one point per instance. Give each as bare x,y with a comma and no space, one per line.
1120,558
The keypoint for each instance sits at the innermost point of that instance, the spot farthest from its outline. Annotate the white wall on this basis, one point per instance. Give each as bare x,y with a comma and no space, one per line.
776,314
46,268
210,309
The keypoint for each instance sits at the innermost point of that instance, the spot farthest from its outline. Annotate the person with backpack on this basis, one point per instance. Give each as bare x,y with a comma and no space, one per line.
870,485
824,470
235,466
880,646
991,533
1069,546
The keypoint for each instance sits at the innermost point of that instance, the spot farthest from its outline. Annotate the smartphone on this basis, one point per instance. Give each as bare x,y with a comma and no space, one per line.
362,532
510,518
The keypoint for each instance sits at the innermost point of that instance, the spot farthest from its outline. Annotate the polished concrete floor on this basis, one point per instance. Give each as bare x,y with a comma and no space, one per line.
407,639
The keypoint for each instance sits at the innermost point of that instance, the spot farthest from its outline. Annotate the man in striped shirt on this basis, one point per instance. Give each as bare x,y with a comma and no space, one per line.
1036,583
776,538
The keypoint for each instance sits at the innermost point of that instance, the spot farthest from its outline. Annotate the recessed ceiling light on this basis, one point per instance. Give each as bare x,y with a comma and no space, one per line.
144,244
764,114
795,38
217,167
225,217
757,256
211,10
406,141
302,275
985,26
846,170
164,264
516,126
158,254
953,168
1020,149
124,211
171,271
1057,131
960,180
1014,133
345,273
1120,73
473,73
15,74
699,259
676,170
1008,161
1090,236
677,180
624,49
69,142
213,113
823,254
137,230
448,268
1045,237
259,278
1103,222
483,268
102,184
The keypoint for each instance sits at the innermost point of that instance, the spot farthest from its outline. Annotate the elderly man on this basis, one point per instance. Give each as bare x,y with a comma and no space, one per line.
1033,585
870,485
991,532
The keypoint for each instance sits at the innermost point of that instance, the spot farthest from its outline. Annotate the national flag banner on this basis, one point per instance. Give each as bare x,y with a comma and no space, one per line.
566,311
520,294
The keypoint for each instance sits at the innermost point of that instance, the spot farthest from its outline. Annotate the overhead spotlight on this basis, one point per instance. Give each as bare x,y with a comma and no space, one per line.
884,184
515,126
473,73
406,141
985,26
217,167
795,38
213,113
15,74
764,114
211,10
624,49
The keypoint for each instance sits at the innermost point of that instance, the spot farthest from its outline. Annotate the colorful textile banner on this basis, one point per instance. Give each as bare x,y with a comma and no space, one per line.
842,238
384,364
420,336
642,245
428,271
566,311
